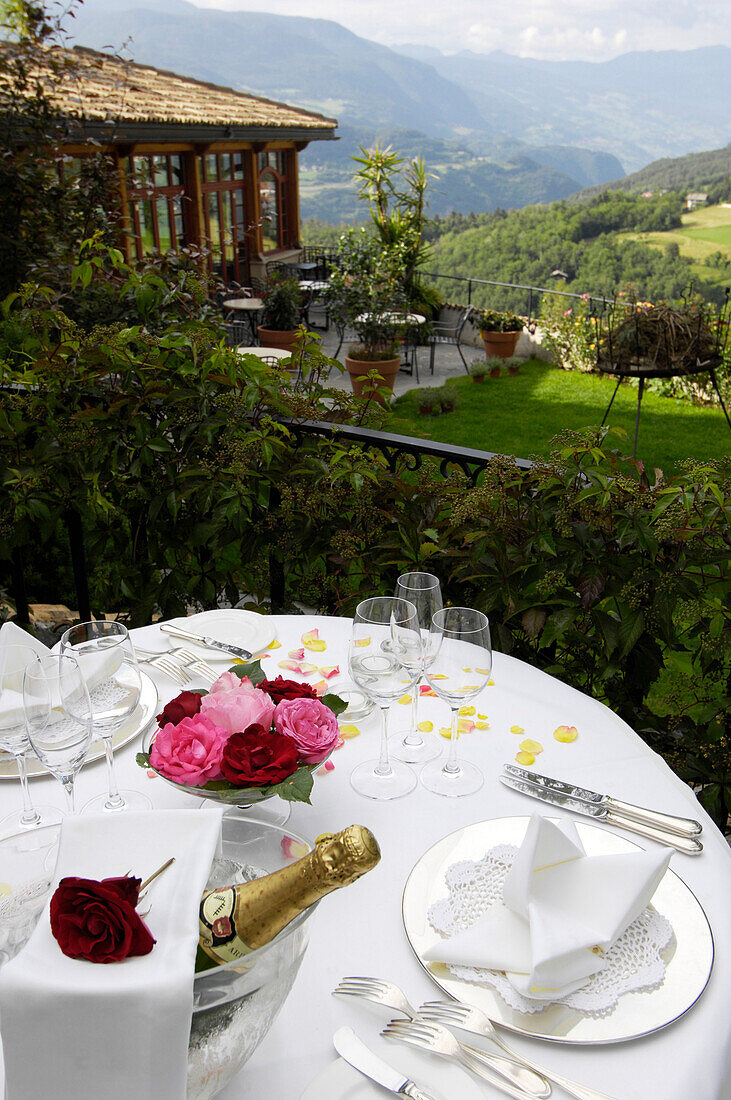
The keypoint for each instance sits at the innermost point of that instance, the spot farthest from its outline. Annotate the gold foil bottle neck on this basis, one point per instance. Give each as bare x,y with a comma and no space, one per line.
341,858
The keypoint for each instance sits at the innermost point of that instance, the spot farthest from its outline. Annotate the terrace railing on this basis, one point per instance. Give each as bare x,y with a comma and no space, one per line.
523,299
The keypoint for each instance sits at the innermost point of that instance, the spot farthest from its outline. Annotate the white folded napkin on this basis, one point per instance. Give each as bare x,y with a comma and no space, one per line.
72,1028
563,911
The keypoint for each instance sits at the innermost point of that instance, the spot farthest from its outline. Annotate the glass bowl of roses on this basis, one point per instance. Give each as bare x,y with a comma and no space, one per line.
244,740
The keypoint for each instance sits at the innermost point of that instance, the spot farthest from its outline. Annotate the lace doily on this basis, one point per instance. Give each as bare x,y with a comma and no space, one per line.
634,962
19,913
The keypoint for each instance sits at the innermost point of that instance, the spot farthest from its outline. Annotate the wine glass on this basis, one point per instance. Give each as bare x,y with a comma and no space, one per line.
459,671
58,715
14,660
108,663
424,592
384,676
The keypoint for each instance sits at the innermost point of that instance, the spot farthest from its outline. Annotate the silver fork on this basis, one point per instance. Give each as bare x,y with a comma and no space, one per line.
438,1040
166,664
381,992
178,659
474,1020
196,663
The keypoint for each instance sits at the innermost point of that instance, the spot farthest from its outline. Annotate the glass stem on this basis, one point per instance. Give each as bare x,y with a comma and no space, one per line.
30,815
451,765
68,785
413,737
115,800
383,767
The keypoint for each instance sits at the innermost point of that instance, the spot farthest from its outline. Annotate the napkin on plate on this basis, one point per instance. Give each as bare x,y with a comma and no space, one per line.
562,912
72,1028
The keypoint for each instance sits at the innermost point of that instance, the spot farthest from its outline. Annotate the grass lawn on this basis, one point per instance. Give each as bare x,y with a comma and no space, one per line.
520,414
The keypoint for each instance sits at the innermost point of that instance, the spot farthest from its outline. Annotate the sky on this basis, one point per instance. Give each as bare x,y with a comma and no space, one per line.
590,30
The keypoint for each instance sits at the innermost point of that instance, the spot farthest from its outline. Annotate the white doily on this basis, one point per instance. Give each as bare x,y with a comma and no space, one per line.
19,913
634,962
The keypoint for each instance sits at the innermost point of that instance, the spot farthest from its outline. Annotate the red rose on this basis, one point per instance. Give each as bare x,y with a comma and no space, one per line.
98,921
182,706
256,757
286,689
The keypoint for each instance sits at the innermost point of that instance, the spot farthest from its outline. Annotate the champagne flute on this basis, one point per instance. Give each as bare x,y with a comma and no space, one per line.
424,592
108,663
459,671
58,714
383,676
14,659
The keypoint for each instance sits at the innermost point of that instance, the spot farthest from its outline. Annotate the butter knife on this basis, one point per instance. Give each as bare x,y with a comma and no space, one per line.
688,845
202,639
360,1057
683,825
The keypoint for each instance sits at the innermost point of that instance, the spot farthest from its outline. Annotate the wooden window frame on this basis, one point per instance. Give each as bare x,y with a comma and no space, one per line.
221,187
151,193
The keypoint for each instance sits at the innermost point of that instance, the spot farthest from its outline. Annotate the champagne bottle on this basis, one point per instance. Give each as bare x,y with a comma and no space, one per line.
235,920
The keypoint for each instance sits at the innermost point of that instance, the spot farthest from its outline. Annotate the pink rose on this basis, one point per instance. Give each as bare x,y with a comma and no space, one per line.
311,725
239,707
190,752
229,681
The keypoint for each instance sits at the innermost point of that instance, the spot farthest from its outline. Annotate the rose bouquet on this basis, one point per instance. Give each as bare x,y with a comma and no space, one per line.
245,739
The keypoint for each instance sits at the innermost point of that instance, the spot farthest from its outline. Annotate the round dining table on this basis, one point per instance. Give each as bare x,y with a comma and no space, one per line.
359,930
264,353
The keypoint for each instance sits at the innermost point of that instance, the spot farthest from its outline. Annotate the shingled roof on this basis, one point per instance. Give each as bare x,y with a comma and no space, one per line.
105,89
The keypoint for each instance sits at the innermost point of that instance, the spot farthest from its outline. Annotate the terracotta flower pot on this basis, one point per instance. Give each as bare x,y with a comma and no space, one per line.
478,377
359,369
501,344
276,338
495,372
513,370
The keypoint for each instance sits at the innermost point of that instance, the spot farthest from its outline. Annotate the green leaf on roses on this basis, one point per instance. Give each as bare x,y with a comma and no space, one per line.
143,759
228,793
296,787
253,670
335,703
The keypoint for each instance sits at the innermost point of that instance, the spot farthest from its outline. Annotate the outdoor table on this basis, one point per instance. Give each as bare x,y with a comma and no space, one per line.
250,308
359,930
263,353
394,318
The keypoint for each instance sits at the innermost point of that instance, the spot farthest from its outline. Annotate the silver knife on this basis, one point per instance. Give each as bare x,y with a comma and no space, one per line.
358,1055
202,639
685,826
688,845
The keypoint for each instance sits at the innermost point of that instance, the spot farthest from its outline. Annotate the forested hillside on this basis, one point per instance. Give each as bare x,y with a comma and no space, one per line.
709,171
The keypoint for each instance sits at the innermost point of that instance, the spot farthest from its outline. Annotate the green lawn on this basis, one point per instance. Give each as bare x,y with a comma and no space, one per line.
704,232
520,414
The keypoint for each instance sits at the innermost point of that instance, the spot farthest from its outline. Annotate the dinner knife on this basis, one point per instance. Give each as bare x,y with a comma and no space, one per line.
360,1057
202,639
683,825
688,845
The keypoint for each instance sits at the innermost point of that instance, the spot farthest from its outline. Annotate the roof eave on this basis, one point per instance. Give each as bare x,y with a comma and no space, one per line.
117,132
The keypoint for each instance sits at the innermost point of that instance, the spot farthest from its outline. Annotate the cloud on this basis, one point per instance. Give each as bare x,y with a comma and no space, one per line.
551,29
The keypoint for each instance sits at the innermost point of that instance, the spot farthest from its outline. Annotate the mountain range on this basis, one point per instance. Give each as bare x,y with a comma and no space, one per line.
498,130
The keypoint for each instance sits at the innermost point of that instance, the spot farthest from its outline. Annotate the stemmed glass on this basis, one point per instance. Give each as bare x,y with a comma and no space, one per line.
424,592
58,715
384,675
14,659
459,671
107,660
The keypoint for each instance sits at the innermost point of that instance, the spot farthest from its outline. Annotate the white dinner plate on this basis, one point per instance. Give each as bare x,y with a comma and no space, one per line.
439,1078
688,963
234,626
135,725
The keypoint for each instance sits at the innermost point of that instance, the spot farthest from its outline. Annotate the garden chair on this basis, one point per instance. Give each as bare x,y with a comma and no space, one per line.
449,331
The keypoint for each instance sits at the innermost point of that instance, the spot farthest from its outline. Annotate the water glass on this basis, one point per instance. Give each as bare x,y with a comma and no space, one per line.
424,592
384,672
58,716
107,660
459,670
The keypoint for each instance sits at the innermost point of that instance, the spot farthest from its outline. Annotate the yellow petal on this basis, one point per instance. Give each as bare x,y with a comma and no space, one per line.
425,727
274,645
330,671
297,654
317,645
439,676
405,699
320,687
517,729
482,716
469,687
465,725
465,712
483,671
482,725
310,636
491,683
360,642
467,670
534,747
296,666
446,731
526,758
348,730
566,733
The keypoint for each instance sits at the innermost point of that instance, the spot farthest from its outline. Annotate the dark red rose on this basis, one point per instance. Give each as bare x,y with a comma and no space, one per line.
98,921
286,689
257,757
182,706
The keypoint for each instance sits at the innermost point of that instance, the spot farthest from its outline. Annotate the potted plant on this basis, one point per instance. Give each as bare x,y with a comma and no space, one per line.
448,395
513,364
429,402
281,316
494,363
500,332
478,370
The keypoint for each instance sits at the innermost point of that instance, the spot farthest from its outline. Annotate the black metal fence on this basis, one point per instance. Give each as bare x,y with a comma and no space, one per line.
523,299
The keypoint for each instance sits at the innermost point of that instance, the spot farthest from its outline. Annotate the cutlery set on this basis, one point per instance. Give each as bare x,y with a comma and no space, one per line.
178,664
680,833
428,1029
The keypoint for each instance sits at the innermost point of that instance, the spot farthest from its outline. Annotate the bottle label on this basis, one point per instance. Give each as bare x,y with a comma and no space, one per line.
218,936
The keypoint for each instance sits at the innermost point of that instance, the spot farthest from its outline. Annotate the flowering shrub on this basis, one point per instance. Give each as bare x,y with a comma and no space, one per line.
569,331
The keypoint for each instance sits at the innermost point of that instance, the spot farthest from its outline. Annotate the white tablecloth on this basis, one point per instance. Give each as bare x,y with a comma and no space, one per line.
359,930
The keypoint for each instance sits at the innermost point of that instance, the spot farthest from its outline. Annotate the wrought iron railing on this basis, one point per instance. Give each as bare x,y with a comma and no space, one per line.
531,294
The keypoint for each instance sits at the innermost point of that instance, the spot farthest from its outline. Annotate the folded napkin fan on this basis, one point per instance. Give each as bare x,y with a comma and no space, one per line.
562,912
72,1028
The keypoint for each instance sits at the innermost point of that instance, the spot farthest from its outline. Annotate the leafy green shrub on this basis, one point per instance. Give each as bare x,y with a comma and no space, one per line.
491,320
569,331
